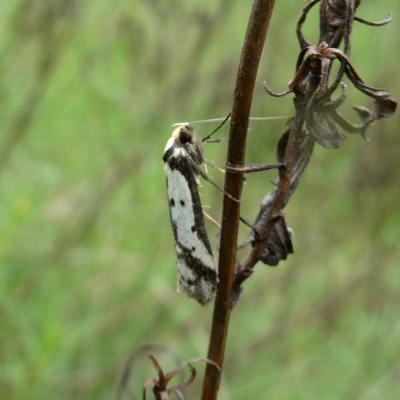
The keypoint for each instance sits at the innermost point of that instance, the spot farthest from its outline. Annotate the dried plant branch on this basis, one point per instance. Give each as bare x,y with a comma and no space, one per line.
271,238
251,53
160,387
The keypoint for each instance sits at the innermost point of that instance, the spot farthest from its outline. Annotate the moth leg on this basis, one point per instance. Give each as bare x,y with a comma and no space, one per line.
198,171
197,153
211,219
211,164
252,167
223,191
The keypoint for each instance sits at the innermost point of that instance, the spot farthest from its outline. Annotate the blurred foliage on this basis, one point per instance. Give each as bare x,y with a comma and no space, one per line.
88,92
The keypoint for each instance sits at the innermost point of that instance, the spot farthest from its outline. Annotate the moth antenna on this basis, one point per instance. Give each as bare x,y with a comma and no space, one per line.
180,123
217,140
203,121
215,130
223,191
266,118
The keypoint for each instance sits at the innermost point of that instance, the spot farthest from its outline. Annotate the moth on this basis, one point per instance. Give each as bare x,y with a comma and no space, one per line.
197,274
183,156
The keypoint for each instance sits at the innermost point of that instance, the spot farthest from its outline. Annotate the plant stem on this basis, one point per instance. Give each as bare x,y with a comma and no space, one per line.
251,53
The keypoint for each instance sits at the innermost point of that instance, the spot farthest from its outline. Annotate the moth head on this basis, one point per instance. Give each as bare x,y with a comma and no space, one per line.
184,133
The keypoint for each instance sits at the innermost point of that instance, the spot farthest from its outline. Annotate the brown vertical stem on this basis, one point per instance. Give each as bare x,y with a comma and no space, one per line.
251,53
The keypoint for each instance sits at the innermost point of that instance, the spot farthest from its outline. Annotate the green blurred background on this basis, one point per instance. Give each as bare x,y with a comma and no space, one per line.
88,92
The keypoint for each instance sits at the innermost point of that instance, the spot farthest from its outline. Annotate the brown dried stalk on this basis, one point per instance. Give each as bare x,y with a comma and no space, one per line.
251,53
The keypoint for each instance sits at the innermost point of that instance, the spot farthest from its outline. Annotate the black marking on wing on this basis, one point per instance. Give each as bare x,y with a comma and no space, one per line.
168,153
194,287
172,202
187,281
182,203
197,266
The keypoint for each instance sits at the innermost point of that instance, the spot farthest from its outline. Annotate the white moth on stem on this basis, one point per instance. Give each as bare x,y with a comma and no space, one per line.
197,274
